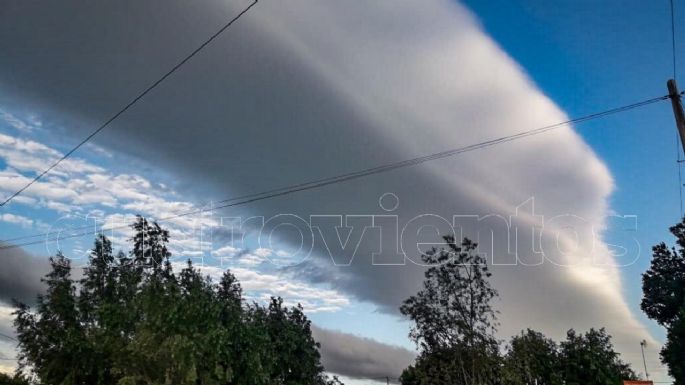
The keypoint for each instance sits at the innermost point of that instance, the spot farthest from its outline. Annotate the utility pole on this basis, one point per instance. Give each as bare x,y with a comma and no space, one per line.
643,343
677,103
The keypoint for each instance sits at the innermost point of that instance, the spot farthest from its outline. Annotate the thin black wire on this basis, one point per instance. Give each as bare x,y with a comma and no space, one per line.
130,104
245,199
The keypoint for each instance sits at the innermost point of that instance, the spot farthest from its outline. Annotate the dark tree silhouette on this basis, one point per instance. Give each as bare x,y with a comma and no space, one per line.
591,359
663,287
454,323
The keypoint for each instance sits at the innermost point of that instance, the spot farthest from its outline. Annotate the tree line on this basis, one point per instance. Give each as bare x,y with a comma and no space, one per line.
133,320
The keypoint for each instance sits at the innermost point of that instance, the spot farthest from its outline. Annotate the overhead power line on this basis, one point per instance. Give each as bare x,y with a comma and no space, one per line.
130,104
318,183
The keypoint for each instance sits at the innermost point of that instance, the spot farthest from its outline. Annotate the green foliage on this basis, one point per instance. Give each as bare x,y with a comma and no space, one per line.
673,352
532,358
134,321
477,364
55,342
663,287
590,358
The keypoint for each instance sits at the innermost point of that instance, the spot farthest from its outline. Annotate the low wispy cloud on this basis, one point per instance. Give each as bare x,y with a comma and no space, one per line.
358,357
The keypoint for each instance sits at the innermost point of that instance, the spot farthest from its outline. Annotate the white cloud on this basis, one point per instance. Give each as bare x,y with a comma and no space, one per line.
16,219
226,252
263,252
250,260
261,286
7,347
18,123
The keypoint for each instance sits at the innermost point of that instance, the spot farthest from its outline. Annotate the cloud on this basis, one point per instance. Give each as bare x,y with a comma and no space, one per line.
226,252
18,123
302,90
262,286
357,357
16,219
7,350
20,276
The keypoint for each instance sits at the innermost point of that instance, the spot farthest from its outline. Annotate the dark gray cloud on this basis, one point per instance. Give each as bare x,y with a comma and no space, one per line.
20,275
357,357
300,90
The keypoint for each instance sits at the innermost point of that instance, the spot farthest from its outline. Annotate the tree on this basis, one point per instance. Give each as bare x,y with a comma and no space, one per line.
460,364
673,353
96,297
150,251
12,380
532,358
663,287
591,359
454,323
297,359
53,343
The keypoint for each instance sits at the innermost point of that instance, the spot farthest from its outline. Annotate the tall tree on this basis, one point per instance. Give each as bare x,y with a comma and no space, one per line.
95,307
663,287
297,359
453,317
53,342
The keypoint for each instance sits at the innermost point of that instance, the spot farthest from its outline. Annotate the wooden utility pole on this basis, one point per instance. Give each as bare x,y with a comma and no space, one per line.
674,94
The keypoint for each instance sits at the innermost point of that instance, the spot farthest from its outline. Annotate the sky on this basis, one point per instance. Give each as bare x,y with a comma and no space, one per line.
300,90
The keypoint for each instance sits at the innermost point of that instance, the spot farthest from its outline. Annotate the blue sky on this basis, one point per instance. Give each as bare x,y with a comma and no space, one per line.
584,56
594,55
